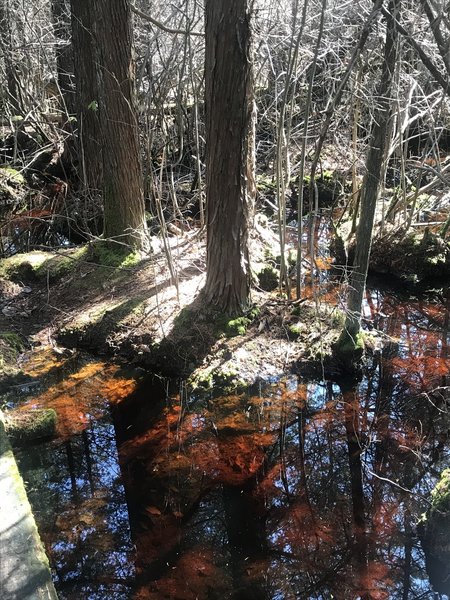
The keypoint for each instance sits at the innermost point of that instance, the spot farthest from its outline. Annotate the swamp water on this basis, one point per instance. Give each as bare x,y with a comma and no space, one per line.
300,489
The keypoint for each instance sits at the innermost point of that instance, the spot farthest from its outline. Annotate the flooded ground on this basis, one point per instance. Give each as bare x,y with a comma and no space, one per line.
299,489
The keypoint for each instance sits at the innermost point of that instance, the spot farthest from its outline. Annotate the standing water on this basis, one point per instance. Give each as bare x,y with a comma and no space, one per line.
297,489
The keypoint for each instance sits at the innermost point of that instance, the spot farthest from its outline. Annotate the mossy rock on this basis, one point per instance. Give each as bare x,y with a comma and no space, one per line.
434,534
24,428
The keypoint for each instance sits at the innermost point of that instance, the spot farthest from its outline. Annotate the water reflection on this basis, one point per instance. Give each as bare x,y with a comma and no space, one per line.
301,489
74,483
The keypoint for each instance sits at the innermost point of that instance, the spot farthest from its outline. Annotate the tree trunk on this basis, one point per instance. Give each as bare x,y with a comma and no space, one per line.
372,179
87,97
230,182
124,211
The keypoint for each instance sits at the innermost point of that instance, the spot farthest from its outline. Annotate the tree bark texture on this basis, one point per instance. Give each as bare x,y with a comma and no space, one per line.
230,184
372,178
87,97
124,212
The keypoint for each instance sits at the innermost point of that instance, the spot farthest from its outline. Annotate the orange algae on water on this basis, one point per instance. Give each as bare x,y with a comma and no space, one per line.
39,363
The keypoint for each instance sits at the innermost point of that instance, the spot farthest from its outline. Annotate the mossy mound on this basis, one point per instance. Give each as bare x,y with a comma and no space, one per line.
348,350
434,533
268,278
24,428
216,382
37,265
329,184
109,255
416,257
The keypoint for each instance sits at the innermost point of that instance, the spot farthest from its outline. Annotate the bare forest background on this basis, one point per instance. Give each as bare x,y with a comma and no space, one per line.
326,79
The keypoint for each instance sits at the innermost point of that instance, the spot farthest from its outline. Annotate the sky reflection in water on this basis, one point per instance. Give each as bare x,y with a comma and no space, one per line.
304,489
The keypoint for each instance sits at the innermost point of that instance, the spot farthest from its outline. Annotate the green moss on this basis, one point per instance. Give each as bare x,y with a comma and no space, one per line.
239,325
219,382
294,331
349,349
12,175
114,256
434,531
236,326
254,313
265,183
41,265
219,322
440,496
337,318
21,266
226,381
185,318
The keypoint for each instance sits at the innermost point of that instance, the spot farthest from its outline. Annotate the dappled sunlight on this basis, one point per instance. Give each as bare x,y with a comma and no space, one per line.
40,362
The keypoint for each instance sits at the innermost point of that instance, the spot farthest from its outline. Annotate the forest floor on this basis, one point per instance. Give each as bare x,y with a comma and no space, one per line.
133,312
130,310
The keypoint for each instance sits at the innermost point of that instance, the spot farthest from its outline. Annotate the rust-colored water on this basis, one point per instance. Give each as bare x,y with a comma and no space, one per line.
298,489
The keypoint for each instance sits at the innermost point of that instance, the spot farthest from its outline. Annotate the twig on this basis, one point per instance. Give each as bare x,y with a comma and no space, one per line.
163,27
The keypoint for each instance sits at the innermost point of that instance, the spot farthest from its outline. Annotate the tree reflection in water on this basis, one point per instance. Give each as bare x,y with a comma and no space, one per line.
304,489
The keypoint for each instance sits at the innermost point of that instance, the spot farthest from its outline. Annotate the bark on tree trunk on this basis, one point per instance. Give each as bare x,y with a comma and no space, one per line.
230,183
124,212
87,97
372,179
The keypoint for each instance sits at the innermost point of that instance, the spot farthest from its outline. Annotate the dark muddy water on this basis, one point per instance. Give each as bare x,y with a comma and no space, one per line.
300,489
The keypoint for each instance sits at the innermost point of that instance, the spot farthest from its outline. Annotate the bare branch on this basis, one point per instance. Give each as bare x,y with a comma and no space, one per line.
163,27
428,63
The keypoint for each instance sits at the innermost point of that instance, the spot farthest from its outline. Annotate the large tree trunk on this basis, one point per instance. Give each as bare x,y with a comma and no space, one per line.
87,96
229,153
124,212
372,180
